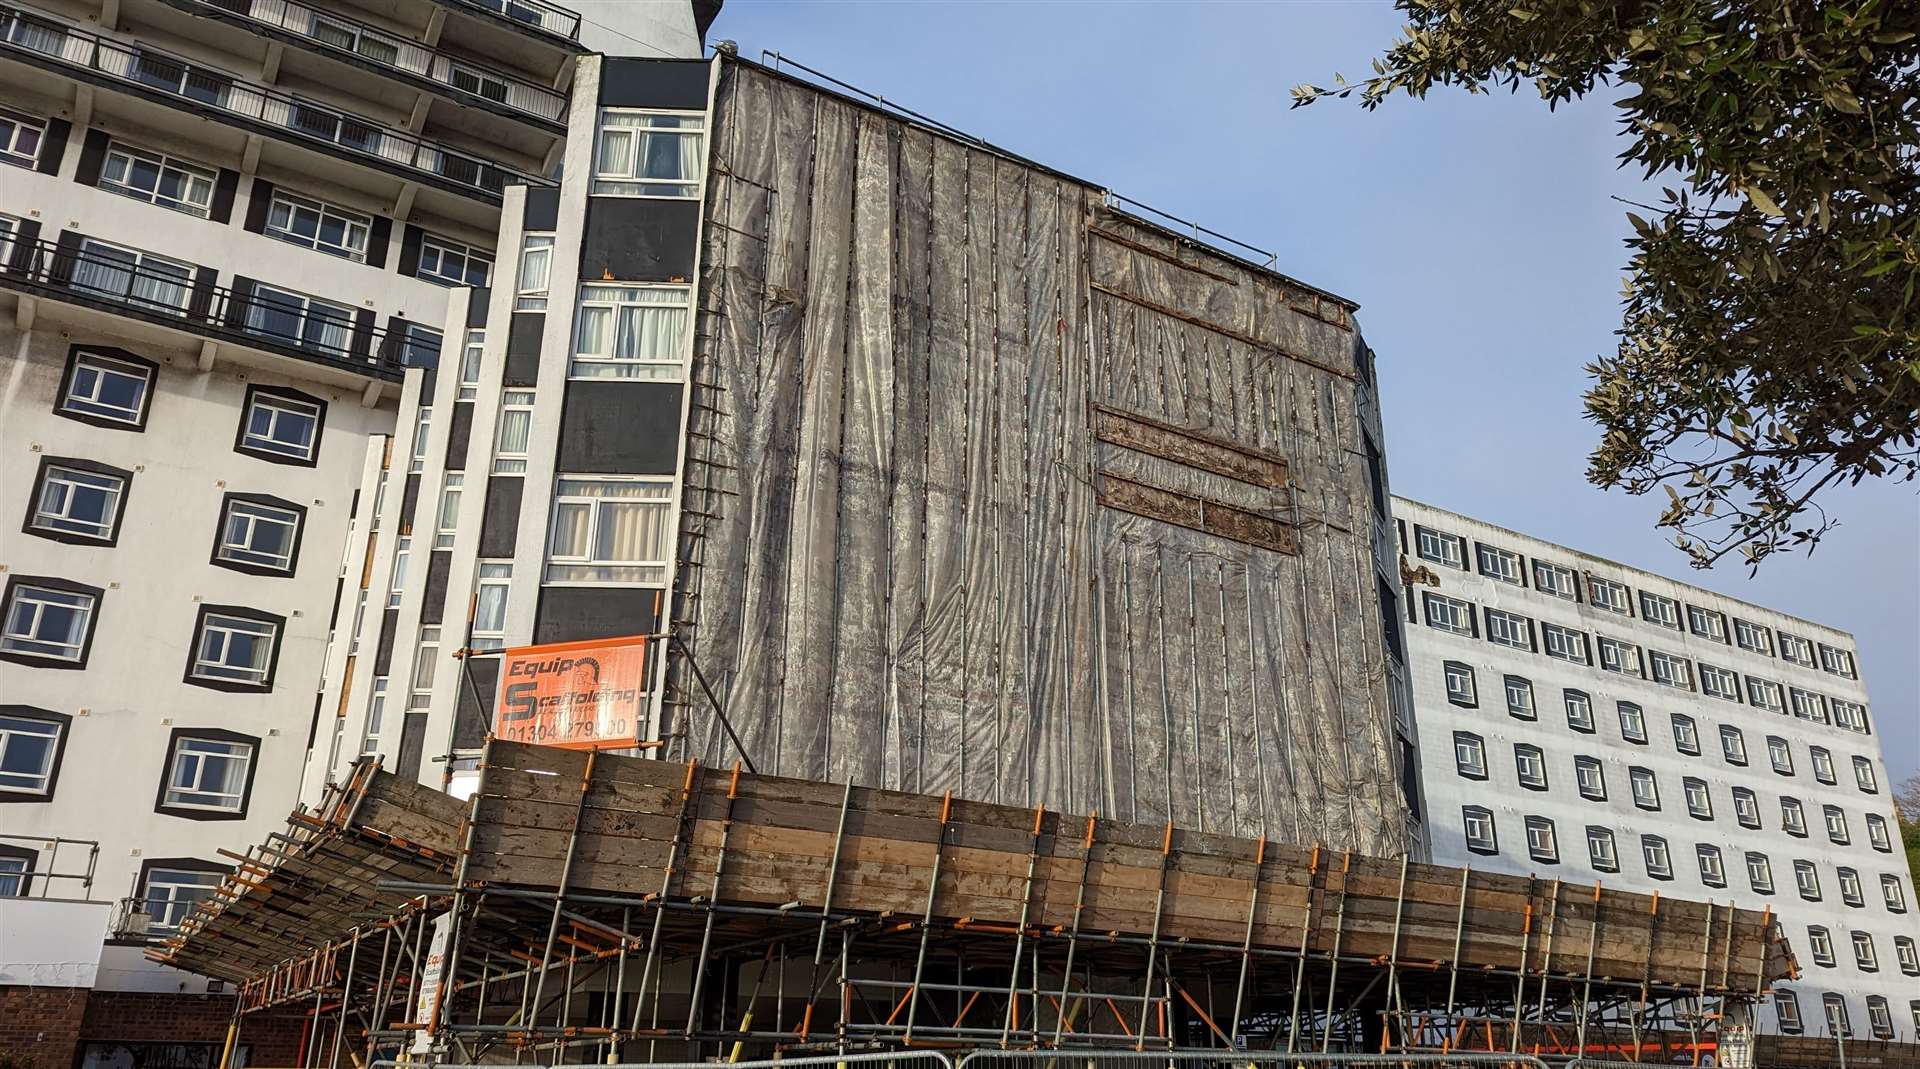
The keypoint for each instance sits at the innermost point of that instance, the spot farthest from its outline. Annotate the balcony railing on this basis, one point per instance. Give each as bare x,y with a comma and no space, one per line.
311,330
195,84
342,34
534,14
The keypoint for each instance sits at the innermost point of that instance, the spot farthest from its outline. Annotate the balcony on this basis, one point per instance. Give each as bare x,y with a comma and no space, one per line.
550,19
168,296
63,47
369,44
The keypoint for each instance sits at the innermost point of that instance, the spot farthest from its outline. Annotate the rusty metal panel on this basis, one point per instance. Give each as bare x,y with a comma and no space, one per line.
1204,451
1195,513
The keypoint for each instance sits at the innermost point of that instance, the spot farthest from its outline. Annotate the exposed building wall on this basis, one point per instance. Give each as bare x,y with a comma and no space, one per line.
1550,679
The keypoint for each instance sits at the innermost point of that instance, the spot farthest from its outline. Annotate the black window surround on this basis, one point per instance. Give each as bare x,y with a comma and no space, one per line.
65,724
166,773
273,656
220,532
53,583
184,864
74,352
256,392
31,857
75,537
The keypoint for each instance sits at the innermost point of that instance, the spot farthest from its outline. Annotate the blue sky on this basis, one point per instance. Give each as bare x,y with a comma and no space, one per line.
1477,233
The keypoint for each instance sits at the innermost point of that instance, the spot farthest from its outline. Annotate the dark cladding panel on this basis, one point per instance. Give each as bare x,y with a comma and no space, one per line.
638,240
500,523
458,431
474,712
477,303
383,654
620,428
413,738
409,500
542,210
680,85
439,566
577,613
523,348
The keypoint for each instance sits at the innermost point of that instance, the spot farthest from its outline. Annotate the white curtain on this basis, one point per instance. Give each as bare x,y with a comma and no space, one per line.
515,425
572,521
593,332
651,333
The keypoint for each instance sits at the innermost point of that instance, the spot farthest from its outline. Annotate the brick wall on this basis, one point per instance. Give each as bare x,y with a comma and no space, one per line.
39,1026
47,1027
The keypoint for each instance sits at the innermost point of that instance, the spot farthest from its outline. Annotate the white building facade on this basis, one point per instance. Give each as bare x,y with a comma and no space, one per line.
1588,722
227,227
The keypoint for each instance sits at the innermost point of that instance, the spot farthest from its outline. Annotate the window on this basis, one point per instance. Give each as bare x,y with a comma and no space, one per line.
1780,755
1877,833
169,892
376,714
20,139
536,262
1686,737
1837,661
490,604
1600,849
1477,822
1713,870
1669,670
1719,683
472,353
1822,762
281,426
1765,694
1892,894
419,346
31,744
1439,548
1646,789
1470,755
299,320
208,772
1591,778
1793,817
16,863
1759,873
234,648
631,332
1786,1011
1530,765
1752,637
1863,776
1850,892
1879,1018
1863,952
1733,745
1806,880
452,263
447,523
133,275
1746,807
422,428
1707,623
1836,819
1579,711
610,530
1565,643
1820,946
259,535
106,390
1509,629
1653,851
1658,610
647,154
1633,723
1448,614
1555,580
402,549
426,663
1609,595
515,426
1520,698
1460,686
48,621
1617,656
1795,649
1807,705
157,179
1849,715
9,225
1499,564
1909,957
78,501
312,224
1699,799
1541,846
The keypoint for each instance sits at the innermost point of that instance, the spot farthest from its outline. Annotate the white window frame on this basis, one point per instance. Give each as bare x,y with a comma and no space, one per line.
397,580
1670,670
376,715
1439,547
443,248
1864,953
1707,623
422,430
1835,819
493,579
426,666
1746,807
1609,595
256,515
1656,856
1477,825
1733,745
536,272
1618,656
43,599
1550,578
187,769
514,402
18,126
1530,766
1806,879
356,228
1877,833
1820,946
1590,777
473,351
1795,650
566,569
1698,797
1806,705
1469,755
1461,687
1780,755
159,283
1850,890
1822,762
1520,705
1836,661
32,784
1752,637
1793,817
1907,952
1582,720
1509,629
196,182
1542,843
604,299
1686,735
1849,715
74,481
1564,643
1659,609
1759,872
623,176
280,408
1892,894
447,520
1645,788
1602,852
1500,565
1448,614
1717,682
1863,775
1633,722
174,907
226,627
1713,867
1766,694
333,319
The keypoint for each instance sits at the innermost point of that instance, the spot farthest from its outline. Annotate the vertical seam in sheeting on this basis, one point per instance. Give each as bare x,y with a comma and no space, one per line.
840,457
926,461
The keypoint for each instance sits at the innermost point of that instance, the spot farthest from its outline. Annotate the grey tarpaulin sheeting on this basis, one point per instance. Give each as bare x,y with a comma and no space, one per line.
895,569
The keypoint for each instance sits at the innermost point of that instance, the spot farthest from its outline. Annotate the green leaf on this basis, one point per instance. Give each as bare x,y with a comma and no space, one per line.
1763,202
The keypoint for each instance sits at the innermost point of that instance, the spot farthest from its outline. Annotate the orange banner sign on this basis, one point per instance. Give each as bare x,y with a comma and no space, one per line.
577,695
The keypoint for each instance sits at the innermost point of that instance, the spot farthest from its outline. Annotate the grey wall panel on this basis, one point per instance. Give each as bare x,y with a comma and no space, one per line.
639,240
433,607
542,209
654,83
523,348
577,613
500,522
459,430
610,427
413,739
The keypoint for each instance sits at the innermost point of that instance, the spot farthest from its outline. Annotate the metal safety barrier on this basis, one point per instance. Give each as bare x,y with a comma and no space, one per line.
1231,1059
874,1060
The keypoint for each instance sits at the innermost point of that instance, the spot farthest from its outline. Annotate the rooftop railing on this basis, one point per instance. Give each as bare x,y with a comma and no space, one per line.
349,134
377,46
169,295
